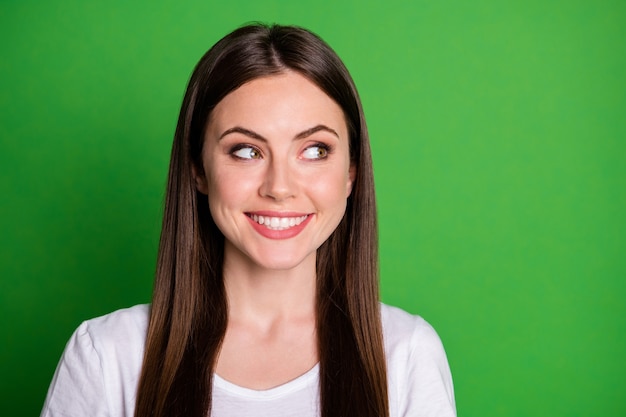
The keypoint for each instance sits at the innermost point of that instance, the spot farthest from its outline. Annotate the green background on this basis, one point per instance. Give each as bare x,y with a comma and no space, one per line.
498,134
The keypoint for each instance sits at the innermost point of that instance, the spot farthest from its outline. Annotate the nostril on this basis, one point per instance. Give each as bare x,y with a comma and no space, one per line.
278,183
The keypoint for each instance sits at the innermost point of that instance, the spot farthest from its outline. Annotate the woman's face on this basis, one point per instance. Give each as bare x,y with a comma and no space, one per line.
277,170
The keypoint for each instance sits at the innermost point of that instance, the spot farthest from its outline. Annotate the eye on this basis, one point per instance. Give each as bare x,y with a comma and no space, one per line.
246,152
318,151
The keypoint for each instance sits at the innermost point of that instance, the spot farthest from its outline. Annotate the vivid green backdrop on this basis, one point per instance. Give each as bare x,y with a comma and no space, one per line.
498,134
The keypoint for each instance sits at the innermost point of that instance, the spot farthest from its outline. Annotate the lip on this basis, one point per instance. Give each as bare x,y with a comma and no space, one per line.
278,234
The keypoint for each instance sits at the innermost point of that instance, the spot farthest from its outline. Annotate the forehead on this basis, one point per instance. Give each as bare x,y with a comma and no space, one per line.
278,102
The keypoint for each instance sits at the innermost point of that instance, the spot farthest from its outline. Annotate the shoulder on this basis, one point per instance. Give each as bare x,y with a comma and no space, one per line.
102,362
132,321
409,338
420,383
118,337
403,330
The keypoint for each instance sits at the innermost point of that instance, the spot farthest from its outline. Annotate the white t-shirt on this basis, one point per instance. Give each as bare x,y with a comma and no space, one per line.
99,370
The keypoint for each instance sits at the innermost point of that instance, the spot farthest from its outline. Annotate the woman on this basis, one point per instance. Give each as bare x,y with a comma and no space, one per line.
266,294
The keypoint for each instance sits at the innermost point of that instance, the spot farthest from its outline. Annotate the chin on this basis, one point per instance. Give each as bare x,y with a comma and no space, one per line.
280,264
282,260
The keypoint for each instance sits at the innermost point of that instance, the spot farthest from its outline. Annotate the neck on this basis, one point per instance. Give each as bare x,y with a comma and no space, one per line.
267,295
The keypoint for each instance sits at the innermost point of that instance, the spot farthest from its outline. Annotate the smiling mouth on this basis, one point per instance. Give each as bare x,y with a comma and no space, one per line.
278,223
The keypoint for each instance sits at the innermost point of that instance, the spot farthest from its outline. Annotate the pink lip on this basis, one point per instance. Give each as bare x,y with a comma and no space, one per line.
278,234
278,213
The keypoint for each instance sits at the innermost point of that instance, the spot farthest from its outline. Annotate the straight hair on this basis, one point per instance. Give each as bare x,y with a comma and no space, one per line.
189,312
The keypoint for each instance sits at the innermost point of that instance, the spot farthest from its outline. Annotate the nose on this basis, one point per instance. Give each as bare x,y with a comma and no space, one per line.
278,182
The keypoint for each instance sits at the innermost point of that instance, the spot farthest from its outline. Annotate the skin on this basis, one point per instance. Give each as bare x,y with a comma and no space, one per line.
276,147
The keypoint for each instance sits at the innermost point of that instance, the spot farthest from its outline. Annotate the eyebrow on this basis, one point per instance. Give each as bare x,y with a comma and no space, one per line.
301,135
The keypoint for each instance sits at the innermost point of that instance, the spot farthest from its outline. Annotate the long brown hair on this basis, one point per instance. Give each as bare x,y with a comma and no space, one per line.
189,310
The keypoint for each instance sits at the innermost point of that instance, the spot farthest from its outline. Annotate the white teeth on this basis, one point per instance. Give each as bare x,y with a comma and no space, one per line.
278,223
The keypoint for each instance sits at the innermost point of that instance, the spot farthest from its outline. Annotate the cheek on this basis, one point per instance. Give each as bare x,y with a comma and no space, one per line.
332,187
222,201
229,189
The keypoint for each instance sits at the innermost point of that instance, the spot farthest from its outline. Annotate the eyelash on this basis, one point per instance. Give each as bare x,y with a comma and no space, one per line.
328,149
323,147
242,146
